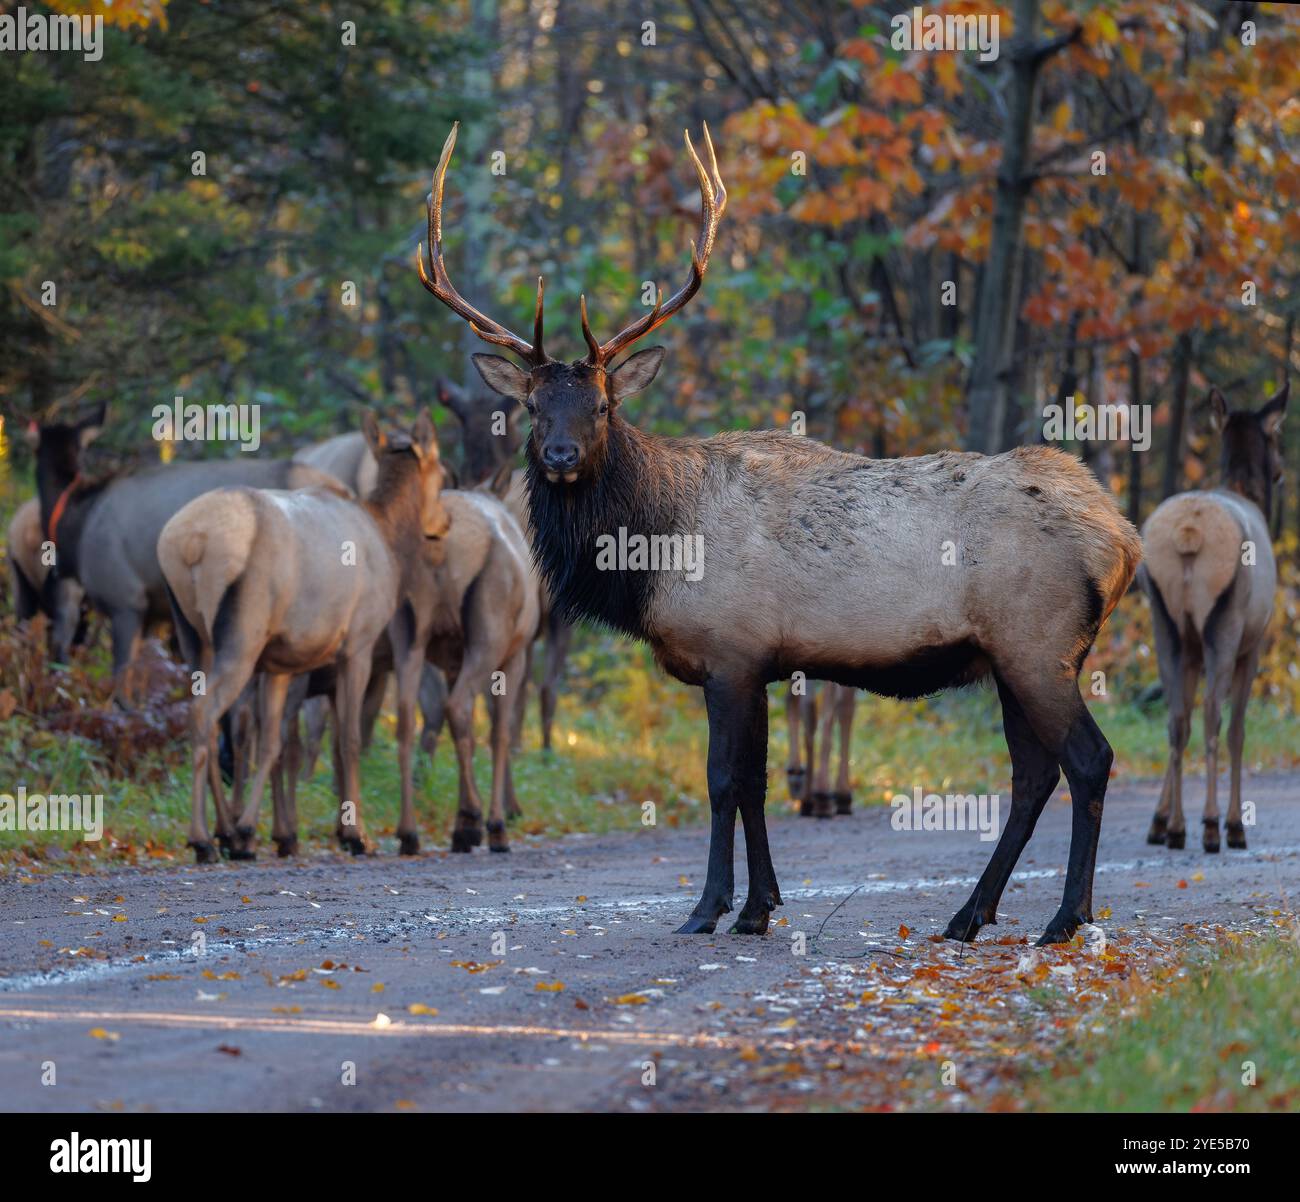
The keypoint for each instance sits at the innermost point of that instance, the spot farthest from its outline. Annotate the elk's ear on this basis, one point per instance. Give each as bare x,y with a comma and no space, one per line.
502,376
499,485
1218,411
375,438
90,428
1272,414
635,373
424,438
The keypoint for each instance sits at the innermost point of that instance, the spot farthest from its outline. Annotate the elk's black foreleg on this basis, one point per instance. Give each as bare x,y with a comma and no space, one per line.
737,780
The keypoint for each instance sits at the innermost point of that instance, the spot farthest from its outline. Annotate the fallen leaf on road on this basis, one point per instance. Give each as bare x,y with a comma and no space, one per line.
631,999
420,1008
549,987
228,1050
100,1033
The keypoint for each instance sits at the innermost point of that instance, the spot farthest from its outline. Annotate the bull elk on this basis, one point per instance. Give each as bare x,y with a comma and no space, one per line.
284,583
1210,577
902,576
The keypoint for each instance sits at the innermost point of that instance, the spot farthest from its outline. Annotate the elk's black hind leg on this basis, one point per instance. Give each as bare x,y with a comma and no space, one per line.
1086,758
1034,777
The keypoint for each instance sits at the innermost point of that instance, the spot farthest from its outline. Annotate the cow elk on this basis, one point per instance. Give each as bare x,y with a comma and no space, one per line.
903,576
38,591
1210,577
473,614
811,719
284,583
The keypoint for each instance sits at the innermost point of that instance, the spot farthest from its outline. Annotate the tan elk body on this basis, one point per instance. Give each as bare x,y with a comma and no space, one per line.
472,613
1211,577
902,576
283,583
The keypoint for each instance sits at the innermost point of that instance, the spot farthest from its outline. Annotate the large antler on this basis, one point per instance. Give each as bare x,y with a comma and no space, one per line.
441,286
713,202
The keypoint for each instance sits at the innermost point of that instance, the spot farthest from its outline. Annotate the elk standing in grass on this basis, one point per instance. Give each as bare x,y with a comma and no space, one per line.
1210,577
287,582
902,576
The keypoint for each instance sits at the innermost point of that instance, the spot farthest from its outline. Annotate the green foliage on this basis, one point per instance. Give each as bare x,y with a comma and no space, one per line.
1186,1050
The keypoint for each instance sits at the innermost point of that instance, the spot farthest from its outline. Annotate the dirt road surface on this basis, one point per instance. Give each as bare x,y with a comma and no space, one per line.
435,982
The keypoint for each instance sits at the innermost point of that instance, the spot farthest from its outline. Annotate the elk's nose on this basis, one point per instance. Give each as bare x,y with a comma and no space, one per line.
560,456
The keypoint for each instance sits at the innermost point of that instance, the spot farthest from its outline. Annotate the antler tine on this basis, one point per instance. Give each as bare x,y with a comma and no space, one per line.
440,285
538,353
593,346
713,202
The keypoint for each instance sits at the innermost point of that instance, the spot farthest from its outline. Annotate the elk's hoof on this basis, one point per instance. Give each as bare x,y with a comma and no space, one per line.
1210,836
358,845
843,803
750,923
466,839
1061,929
205,853
1236,836
966,924
284,848
823,805
1176,840
696,925
795,779
1156,835
408,845
806,808
514,812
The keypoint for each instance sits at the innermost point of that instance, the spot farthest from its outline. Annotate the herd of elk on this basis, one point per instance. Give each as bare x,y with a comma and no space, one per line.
105,531
821,562
286,582
320,576
1210,576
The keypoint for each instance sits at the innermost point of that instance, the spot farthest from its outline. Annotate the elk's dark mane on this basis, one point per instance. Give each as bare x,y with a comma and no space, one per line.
1245,461
646,484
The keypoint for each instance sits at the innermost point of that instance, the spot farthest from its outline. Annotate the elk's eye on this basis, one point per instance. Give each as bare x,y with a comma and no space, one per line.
604,408
530,407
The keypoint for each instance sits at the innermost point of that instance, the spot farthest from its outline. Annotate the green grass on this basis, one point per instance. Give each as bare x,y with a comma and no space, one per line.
625,736
1192,1047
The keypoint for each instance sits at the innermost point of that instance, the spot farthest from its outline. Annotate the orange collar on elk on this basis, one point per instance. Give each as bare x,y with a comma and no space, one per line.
59,506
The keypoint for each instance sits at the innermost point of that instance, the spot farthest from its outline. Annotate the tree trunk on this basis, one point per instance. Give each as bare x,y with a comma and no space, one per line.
1182,369
989,383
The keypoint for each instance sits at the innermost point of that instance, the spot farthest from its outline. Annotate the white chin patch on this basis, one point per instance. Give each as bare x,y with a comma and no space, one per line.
570,477
552,477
